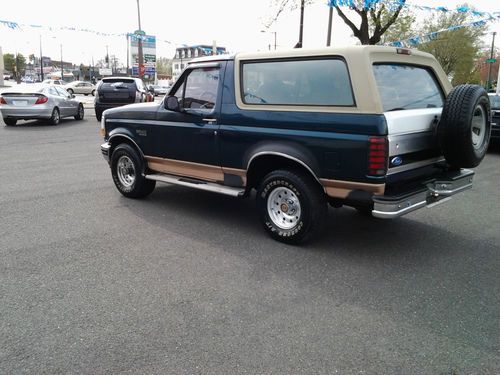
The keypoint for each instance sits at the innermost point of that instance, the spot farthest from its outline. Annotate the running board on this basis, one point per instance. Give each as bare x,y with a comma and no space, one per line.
197,184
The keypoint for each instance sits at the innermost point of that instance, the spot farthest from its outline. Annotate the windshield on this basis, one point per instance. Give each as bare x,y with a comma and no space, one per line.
495,101
406,87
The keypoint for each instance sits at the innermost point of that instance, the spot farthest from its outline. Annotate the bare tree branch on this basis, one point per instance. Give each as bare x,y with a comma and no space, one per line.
348,22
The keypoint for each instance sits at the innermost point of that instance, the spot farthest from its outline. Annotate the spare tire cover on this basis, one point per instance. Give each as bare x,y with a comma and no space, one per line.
465,126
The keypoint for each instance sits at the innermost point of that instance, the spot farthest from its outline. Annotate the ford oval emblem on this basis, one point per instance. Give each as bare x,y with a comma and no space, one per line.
396,161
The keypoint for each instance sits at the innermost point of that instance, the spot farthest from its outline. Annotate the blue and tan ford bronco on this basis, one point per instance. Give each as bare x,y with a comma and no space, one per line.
377,128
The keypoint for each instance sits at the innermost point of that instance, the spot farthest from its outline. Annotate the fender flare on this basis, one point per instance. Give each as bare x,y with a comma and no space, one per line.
127,134
288,150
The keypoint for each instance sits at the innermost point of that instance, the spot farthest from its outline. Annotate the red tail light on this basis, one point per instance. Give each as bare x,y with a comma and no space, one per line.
2,100
377,156
41,100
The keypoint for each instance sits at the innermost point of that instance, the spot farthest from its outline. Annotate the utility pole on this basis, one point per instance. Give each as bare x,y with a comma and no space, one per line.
128,54
41,58
139,43
1,67
107,57
301,28
62,68
329,35
491,57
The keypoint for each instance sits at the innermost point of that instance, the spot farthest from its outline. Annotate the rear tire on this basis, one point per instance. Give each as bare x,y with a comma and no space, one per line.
10,121
292,206
93,93
127,169
465,126
81,112
56,117
98,114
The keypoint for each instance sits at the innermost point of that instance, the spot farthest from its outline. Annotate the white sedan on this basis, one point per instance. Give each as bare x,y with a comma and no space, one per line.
80,87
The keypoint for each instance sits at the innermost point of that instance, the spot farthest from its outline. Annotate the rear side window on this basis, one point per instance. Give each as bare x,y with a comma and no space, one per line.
407,87
323,82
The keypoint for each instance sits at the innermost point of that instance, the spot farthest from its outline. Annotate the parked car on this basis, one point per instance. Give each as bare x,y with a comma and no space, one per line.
158,89
118,91
80,87
54,82
49,102
377,128
495,115
28,79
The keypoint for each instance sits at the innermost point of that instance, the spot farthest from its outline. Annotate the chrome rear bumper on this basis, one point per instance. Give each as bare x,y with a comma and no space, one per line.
427,194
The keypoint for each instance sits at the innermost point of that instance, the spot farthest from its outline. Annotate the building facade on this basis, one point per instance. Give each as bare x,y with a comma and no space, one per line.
185,54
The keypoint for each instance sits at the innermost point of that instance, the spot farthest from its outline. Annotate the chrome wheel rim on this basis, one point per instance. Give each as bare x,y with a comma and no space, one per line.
126,171
56,116
478,128
283,208
80,112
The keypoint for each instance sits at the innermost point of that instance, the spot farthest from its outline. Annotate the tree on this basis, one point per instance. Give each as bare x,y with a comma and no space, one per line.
164,65
9,62
456,50
15,64
402,29
375,19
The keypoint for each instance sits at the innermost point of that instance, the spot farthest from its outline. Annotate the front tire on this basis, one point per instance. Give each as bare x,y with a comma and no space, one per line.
70,91
81,112
10,121
127,168
292,206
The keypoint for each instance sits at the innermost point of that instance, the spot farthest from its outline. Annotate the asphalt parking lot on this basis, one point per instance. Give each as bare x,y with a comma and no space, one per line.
187,282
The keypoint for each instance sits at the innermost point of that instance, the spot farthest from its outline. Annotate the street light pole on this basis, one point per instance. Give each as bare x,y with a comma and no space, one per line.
275,37
491,57
139,41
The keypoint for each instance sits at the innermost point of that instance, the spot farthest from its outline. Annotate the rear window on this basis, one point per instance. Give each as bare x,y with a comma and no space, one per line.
407,87
118,84
322,82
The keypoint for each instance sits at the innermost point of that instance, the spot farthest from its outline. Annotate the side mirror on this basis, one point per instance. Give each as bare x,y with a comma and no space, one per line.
172,103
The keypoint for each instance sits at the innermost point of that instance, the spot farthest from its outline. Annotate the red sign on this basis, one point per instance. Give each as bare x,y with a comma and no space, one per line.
142,70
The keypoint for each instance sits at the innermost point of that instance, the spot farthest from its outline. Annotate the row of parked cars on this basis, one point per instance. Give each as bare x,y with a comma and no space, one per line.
52,100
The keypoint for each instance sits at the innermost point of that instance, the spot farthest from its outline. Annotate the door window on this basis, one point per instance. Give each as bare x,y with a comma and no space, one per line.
201,88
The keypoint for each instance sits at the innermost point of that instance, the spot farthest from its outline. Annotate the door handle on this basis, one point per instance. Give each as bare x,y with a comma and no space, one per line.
210,120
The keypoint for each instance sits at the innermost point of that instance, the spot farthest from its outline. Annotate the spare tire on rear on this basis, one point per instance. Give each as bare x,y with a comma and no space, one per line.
465,126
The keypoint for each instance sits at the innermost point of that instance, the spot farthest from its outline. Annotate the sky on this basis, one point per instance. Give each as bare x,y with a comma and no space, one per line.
237,25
